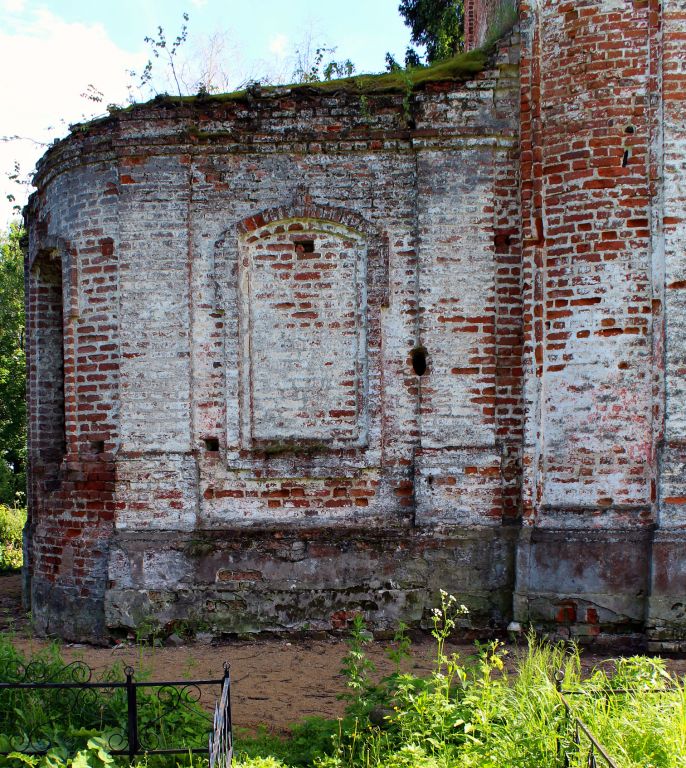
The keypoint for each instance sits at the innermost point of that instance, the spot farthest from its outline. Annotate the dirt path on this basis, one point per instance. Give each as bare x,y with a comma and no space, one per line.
11,613
275,681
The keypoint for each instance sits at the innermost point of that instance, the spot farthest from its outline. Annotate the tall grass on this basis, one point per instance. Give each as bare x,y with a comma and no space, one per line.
470,712
644,727
466,713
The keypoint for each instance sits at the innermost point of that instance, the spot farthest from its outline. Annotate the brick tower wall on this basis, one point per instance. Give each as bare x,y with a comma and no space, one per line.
593,324
666,618
484,19
73,362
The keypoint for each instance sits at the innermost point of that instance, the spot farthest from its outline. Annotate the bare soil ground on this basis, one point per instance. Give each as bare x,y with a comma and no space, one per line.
275,681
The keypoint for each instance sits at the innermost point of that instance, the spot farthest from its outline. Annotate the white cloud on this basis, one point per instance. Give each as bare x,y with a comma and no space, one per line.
199,3
52,63
13,6
277,45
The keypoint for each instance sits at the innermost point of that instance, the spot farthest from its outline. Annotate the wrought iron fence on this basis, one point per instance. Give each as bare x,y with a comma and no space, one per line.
576,737
133,716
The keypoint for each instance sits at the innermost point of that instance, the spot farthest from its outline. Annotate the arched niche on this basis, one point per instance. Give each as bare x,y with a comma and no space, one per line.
306,285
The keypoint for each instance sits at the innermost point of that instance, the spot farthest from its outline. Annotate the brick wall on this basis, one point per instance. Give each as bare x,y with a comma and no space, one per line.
250,283
73,354
666,618
590,115
325,354
483,18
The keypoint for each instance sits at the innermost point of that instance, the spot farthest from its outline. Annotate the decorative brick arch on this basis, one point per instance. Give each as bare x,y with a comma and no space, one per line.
309,326
343,216
377,242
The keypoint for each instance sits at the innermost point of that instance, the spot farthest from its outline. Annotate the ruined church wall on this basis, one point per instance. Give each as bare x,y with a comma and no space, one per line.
223,503
593,326
238,289
668,582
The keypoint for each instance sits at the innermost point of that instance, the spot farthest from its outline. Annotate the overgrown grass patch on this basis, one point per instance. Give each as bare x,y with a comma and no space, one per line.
467,712
470,712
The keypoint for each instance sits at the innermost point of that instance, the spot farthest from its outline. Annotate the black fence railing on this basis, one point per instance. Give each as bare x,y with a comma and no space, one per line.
570,742
576,738
134,717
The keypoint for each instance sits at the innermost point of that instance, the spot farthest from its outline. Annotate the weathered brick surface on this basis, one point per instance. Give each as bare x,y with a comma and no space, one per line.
302,577
270,267
325,353
479,19
586,195
666,605
73,363
593,263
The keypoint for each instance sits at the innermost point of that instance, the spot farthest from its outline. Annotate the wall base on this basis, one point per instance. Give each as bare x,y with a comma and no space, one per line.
278,580
583,583
666,621
61,611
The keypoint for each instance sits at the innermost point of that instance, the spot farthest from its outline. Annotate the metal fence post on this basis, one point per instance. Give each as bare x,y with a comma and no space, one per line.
132,713
563,727
227,682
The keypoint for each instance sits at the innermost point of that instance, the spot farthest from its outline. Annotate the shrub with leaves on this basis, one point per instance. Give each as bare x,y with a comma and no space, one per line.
12,367
12,520
94,755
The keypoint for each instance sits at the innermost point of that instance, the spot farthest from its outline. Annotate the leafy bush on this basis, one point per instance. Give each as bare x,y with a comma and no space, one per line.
12,520
12,366
94,755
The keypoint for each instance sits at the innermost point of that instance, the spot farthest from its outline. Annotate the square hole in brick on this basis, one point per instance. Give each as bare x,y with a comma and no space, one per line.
306,245
212,444
97,446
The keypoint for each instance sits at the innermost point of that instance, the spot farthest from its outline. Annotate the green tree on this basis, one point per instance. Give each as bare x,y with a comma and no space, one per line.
12,367
436,24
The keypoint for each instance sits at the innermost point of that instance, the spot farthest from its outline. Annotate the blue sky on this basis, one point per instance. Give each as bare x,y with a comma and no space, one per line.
363,30
53,50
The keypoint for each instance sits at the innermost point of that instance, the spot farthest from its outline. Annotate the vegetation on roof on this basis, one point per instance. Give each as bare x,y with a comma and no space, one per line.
460,68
